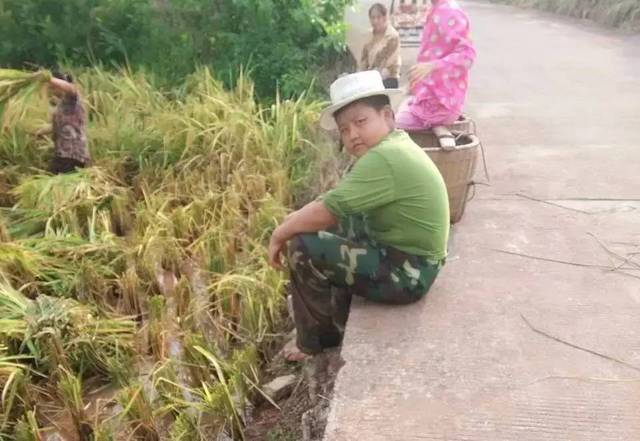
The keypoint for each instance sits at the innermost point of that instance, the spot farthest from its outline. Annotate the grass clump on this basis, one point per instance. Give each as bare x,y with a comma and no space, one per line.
147,272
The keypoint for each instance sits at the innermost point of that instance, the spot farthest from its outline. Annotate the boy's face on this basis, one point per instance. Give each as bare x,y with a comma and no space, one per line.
363,127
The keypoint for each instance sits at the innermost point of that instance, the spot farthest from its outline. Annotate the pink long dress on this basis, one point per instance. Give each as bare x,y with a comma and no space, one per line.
439,98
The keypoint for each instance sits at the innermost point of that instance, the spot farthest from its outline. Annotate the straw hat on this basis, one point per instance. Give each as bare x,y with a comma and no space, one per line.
353,87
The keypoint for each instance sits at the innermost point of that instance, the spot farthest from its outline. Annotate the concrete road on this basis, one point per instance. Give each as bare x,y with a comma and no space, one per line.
557,103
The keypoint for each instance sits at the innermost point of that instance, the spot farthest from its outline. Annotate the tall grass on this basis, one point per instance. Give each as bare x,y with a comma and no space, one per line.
619,13
147,270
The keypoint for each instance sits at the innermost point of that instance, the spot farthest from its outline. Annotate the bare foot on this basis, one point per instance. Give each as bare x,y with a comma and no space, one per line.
292,353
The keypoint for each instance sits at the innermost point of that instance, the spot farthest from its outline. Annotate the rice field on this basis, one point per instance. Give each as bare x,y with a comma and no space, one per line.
135,297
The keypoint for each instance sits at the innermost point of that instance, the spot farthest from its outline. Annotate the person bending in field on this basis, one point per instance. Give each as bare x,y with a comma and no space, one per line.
68,127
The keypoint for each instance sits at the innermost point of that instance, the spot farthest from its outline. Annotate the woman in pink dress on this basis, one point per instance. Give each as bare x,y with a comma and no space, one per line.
438,82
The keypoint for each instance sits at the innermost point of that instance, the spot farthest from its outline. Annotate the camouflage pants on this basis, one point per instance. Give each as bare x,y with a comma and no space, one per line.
328,267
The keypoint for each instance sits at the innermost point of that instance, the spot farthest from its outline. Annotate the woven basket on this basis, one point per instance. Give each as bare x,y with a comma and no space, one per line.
463,124
456,164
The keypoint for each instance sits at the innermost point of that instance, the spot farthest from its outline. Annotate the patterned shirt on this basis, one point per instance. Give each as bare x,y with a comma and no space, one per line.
69,129
447,44
382,53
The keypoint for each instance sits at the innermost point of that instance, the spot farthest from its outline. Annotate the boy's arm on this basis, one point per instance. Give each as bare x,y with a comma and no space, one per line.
311,218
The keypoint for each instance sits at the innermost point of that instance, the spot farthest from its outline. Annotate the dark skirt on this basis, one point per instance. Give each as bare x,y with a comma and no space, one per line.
59,165
391,83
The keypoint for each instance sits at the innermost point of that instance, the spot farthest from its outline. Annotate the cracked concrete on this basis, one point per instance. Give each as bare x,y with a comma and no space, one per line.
557,103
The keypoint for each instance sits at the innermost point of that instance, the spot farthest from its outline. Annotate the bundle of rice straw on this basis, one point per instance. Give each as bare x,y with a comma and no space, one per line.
18,86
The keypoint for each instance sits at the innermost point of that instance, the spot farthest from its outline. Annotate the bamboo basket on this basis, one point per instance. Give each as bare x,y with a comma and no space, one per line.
463,124
456,155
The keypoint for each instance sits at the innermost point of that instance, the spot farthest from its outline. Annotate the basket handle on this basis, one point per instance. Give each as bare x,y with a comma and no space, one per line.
446,139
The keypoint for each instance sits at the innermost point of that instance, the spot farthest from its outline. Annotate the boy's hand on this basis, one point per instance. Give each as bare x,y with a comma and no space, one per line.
277,247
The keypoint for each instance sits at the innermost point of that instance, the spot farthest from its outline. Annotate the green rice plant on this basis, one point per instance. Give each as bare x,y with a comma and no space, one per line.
157,327
70,202
156,248
185,428
10,176
4,232
13,375
132,292
63,266
27,428
164,380
226,397
195,361
58,331
138,411
188,182
183,298
11,388
18,86
221,398
22,223
20,264
237,305
103,345
70,393
104,432
214,405
13,309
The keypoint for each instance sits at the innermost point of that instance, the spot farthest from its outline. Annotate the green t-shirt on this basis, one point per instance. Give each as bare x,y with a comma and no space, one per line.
401,194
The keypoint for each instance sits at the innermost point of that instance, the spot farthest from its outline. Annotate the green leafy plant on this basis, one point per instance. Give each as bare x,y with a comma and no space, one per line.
282,43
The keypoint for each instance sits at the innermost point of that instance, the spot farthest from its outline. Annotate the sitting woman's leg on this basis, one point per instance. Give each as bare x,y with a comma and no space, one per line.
391,83
406,120
423,114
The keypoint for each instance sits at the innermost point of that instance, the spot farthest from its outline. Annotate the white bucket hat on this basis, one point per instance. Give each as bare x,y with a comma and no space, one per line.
353,87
